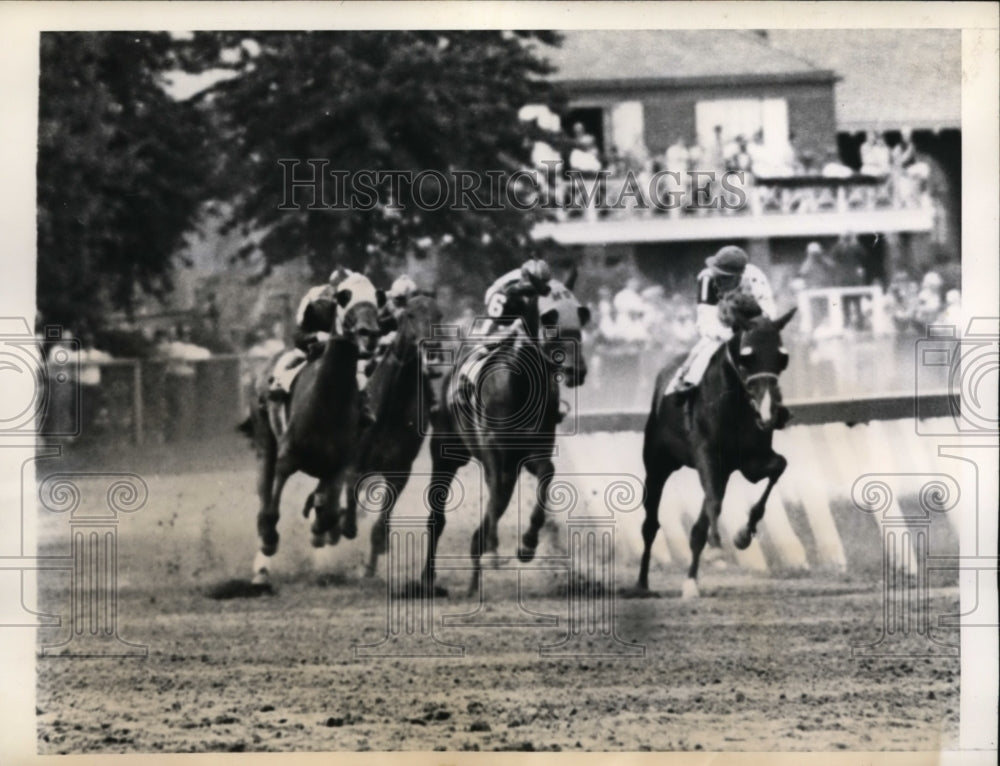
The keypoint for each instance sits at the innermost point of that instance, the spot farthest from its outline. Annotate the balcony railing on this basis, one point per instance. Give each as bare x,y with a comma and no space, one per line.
649,208
597,197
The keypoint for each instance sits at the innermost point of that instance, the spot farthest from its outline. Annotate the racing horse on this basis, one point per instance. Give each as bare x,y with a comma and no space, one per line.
322,430
506,420
398,391
724,425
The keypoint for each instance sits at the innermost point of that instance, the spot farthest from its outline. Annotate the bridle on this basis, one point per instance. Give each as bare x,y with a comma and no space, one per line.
746,379
410,320
347,323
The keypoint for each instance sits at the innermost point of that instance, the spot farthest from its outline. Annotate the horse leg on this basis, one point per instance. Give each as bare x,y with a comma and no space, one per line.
705,529
442,475
319,500
349,522
380,528
772,468
267,457
656,477
331,509
267,522
713,483
310,503
543,471
501,481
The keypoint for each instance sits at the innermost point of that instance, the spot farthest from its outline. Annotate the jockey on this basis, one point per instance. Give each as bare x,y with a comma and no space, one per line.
508,298
399,292
508,301
729,269
313,320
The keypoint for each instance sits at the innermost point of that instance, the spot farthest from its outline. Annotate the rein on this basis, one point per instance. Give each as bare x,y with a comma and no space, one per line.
745,380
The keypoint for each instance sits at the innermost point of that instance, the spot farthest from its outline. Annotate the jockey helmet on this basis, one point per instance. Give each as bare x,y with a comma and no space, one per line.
337,275
730,261
536,271
402,287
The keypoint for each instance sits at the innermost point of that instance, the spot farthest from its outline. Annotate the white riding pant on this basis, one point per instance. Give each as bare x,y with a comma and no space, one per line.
694,366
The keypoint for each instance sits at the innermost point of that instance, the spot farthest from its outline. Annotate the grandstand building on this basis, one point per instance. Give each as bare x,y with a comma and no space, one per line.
637,92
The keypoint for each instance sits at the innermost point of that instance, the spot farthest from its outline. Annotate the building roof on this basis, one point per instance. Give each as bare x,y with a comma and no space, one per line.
657,56
888,78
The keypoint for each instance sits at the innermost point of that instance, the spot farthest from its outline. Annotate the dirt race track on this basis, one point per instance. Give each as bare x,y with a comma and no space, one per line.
761,662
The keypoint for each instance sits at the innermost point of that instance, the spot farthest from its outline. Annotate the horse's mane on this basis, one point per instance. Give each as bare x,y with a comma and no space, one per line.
738,310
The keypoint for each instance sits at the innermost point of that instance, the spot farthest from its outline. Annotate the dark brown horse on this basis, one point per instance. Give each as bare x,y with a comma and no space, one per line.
322,431
725,425
506,420
399,393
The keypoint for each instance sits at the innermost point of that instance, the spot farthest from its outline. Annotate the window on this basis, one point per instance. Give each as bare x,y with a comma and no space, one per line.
742,116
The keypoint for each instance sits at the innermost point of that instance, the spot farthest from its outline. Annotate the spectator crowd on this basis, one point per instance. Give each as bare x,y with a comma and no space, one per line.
887,175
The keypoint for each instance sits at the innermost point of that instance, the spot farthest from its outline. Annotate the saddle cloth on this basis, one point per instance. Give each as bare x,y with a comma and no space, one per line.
292,362
466,377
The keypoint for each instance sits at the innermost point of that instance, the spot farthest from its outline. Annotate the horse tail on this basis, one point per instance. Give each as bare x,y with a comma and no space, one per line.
245,427
661,383
255,422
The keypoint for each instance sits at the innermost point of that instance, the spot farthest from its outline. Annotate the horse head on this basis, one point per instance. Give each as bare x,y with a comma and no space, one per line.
759,358
562,318
358,304
414,322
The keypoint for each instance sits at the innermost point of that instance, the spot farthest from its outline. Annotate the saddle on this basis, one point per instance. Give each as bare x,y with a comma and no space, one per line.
460,393
466,377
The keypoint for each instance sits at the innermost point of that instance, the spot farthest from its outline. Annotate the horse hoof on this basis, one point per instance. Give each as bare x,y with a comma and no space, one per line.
349,532
318,541
714,541
689,590
525,554
712,555
333,536
742,539
261,563
491,560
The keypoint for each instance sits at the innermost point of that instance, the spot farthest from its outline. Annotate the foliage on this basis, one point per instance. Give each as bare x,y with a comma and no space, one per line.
379,101
122,172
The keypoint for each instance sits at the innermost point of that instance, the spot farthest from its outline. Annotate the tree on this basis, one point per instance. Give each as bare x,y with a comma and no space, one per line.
411,101
122,172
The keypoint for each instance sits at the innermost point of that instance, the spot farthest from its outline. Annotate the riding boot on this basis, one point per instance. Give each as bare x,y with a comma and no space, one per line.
275,394
433,405
684,392
782,417
365,409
